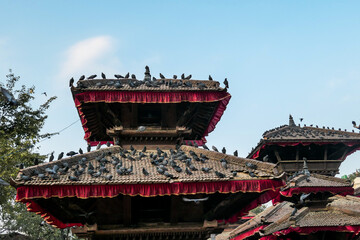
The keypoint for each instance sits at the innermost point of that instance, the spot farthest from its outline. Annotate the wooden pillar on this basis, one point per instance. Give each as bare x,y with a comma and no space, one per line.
127,210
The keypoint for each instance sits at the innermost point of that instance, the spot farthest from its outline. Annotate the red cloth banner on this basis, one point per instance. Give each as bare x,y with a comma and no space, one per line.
335,190
153,97
145,190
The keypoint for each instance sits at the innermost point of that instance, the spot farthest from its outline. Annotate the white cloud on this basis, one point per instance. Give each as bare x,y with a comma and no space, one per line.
89,56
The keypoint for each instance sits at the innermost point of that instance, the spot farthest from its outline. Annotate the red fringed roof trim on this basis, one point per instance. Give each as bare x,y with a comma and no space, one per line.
153,97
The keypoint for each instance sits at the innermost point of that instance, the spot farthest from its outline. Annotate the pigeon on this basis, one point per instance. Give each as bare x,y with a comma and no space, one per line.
162,76
188,172
118,85
81,151
44,94
303,197
188,77
146,173
354,125
71,82
82,78
88,148
144,149
118,76
51,158
206,169
174,77
4,183
210,78
252,174
92,76
196,201
219,174
226,83
103,75
127,75
205,147
72,178
133,76
183,76
71,153
141,128
60,155
223,150
215,149
266,158
251,165
108,144
98,146
25,177
108,177
236,153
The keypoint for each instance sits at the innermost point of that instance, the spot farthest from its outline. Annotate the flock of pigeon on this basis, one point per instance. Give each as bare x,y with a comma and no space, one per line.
133,82
159,159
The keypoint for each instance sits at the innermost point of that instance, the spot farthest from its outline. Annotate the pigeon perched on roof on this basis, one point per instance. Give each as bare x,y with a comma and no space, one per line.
183,76
162,76
226,83
88,148
188,77
71,82
210,78
118,76
103,75
92,76
60,155
51,158
98,146
354,125
236,153
127,75
133,76
223,150
71,153
215,149
82,77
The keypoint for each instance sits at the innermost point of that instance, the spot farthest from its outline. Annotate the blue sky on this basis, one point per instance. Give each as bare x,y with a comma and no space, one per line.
280,57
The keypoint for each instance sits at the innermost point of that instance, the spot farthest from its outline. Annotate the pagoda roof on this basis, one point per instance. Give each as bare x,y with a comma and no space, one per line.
207,98
337,215
234,164
314,183
291,134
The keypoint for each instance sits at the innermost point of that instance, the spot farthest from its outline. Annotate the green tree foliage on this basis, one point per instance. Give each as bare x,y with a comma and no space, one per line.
352,176
20,126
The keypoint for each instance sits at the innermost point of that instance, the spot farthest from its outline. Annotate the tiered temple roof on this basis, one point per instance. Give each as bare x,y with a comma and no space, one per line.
340,214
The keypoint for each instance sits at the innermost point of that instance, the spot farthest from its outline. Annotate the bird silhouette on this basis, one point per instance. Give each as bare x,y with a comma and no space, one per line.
226,83
215,149
174,76
81,151
44,94
60,155
88,148
103,75
98,146
354,125
219,174
92,76
71,82
223,150
236,153
146,173
127,75
51,158
71,153
183,76
82,77
188,77
162,76
133,76
210,78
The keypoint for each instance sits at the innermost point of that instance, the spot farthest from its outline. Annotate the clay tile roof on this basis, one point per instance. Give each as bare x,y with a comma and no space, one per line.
296,133
317,180
268,216
140,85
263,170
340,211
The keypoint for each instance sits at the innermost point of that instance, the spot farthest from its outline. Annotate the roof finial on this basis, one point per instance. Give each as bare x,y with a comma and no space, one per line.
147,73
305,168
291,121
